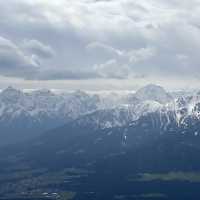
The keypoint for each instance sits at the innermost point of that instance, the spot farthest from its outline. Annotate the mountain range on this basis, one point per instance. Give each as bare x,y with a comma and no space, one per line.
99,147
26,115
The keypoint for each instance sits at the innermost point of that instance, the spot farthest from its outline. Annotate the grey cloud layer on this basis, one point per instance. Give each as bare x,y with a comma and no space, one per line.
37,48
86,39
13,61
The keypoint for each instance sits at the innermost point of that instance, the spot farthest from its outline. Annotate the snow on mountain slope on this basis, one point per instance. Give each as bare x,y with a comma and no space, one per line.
40,103
25,115
154,93
181,112
118,116
45,103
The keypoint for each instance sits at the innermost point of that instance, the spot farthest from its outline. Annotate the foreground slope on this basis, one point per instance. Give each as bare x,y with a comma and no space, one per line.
142,150
107,163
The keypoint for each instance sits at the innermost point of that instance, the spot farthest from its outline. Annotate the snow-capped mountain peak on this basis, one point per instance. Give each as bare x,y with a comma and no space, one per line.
153,92
43,109
11,94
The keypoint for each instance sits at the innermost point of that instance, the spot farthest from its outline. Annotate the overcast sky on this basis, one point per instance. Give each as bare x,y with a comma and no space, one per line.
99,44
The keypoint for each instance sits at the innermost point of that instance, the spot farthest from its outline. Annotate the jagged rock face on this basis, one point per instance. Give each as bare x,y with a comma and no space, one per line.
26,115
46,103
136,137
36,112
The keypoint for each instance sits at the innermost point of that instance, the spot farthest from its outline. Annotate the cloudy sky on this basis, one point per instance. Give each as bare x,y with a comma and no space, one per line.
99,44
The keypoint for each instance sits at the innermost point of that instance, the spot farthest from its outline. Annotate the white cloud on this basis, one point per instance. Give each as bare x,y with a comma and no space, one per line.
140,55
121,38
37,48
103,47
13,61
112,69
122,63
